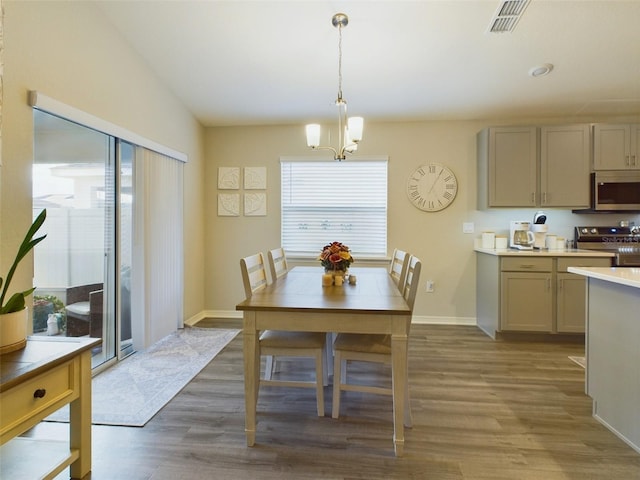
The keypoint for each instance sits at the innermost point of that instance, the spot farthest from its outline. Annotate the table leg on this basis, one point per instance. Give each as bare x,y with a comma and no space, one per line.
80,420
251,375
399,378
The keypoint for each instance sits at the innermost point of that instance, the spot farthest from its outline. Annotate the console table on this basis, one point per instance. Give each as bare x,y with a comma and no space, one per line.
49,373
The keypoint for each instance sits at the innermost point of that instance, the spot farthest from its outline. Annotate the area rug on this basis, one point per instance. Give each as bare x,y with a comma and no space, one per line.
579,360
134,390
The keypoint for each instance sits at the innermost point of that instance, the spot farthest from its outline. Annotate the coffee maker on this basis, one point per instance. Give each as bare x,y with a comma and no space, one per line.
520,236
539,229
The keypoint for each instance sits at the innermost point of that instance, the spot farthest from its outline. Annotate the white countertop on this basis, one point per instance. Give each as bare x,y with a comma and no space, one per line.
573,252
629,276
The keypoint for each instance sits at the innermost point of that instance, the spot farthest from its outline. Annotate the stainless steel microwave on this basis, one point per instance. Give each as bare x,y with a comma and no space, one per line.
615,190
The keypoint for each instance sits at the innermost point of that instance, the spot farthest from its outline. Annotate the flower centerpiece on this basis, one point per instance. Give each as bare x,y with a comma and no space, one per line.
335,258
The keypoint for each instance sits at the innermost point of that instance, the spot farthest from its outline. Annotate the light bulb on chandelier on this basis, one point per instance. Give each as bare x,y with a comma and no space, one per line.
349,129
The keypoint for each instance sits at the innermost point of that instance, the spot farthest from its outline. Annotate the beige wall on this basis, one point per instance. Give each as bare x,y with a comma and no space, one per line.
68,52
437,238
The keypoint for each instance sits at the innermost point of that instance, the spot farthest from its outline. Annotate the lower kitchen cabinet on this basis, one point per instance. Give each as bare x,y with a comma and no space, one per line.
526,302
529,293
571,305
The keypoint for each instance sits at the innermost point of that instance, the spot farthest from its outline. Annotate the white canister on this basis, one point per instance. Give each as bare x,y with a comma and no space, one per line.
501,242
550,242
560,243
488,240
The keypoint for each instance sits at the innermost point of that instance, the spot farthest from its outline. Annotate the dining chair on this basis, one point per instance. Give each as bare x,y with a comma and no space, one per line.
283,343
398,267
278,268
371,348
277,263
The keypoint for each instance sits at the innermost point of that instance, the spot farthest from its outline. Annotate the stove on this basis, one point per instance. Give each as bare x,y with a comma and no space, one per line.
624,242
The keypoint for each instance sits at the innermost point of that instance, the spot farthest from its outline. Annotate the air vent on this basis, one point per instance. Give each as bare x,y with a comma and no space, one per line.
507,15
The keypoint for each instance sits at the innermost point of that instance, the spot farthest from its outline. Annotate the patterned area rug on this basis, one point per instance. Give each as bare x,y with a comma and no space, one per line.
133,391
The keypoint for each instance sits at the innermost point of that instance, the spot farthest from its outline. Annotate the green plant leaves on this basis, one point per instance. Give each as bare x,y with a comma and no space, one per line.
17,300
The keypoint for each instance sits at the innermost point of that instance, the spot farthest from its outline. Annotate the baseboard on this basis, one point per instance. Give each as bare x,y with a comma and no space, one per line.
417,319
213,314
427,320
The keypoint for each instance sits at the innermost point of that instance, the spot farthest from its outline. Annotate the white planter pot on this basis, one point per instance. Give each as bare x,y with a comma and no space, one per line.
13,331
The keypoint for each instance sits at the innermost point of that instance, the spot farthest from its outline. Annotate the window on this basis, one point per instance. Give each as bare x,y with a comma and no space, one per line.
326,201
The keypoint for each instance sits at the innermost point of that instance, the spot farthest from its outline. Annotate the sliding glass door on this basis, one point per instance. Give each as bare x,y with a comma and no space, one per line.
82,270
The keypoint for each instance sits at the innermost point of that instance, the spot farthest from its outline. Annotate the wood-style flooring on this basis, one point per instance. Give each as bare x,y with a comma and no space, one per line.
482,410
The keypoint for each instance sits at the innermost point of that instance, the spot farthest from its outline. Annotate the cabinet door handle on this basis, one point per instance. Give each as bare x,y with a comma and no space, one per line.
628,160
548,284
560,284
544,198
633,160
39,393
526,266
533,198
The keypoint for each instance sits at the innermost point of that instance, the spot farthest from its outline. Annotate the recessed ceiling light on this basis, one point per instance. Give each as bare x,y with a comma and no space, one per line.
541,70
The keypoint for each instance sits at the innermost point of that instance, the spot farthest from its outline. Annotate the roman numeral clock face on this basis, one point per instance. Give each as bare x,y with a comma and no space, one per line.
432,187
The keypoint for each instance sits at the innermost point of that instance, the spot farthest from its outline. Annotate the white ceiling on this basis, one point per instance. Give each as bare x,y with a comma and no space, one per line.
275,62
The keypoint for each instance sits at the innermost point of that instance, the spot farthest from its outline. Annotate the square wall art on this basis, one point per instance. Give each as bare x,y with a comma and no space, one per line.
255,178
228,178
228,204
255,204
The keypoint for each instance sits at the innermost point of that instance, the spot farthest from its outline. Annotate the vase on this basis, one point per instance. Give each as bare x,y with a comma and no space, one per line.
335,272
13,331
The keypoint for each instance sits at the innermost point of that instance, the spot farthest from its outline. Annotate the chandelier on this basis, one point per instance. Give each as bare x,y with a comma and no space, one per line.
349,129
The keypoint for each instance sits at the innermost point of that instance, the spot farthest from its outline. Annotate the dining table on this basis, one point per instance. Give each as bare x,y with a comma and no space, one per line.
371,303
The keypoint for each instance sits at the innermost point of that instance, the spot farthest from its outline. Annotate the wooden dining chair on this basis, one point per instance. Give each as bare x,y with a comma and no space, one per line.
278,268
371,348
277,263
284,343
398,267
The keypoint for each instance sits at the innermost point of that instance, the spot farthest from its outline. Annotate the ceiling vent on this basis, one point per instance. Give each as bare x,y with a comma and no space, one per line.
507,15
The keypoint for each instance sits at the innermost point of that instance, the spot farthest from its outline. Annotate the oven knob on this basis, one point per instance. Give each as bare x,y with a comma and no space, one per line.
635,229
584,230
594,230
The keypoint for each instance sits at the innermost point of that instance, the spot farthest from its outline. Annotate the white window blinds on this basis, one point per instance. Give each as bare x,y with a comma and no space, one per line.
327,201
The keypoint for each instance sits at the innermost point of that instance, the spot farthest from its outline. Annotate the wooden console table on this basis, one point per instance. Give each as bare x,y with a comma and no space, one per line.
49,373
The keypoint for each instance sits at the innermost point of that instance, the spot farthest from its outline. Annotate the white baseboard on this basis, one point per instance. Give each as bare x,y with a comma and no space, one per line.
427,320
422,319
212,314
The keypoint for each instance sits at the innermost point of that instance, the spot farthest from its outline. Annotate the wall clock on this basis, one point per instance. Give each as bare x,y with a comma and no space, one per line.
432,187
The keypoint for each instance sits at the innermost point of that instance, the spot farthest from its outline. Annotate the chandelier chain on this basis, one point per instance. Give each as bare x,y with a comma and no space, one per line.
339,62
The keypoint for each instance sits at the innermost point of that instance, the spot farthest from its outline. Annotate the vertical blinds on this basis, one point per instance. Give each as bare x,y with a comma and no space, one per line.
163,245
327,201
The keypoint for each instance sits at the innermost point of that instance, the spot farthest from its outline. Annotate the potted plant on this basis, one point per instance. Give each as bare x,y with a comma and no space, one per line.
13,312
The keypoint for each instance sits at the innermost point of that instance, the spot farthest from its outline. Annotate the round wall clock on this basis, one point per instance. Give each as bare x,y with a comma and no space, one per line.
432,187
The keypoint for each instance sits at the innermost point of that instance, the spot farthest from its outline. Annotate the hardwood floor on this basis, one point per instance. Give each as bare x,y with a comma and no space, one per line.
482,409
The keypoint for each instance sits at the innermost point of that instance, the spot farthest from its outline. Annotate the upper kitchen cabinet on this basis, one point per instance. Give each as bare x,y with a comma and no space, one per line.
507,166
564,166
616,147
534,166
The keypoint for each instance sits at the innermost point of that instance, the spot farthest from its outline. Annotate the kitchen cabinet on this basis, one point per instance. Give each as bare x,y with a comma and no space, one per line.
570,293
507,164
533,166
526,300
616,146
565,166
532,292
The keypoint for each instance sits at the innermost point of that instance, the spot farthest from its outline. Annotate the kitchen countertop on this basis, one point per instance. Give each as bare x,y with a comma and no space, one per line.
572,252
628,276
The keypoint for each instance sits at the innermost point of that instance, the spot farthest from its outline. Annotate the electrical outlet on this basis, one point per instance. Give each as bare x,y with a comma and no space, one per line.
468,227
430,286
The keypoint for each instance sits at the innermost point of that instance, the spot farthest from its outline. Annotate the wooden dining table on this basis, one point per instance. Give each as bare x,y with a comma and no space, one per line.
299,302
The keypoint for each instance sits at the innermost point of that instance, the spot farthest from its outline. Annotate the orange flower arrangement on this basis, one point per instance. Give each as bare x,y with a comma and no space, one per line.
335,256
